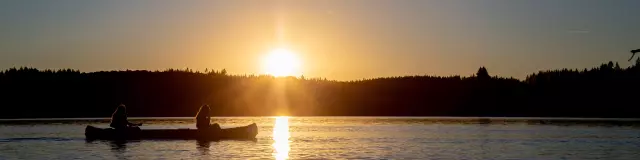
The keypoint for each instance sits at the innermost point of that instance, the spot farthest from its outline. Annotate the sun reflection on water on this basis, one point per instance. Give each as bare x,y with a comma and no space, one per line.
281,138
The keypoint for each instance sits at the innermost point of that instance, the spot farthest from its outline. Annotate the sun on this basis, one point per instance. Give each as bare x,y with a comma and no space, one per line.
281,62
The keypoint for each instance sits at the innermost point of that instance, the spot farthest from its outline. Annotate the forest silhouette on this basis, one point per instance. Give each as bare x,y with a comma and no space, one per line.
605,91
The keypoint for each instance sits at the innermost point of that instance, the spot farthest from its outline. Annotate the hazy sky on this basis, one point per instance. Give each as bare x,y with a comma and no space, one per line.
336,39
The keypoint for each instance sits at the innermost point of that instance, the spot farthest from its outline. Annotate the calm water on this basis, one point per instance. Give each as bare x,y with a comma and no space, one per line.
338,138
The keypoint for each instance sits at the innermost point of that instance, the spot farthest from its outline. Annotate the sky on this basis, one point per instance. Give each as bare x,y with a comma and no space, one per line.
334,39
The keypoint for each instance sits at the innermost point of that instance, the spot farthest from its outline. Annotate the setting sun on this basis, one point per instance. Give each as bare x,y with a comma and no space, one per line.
281,62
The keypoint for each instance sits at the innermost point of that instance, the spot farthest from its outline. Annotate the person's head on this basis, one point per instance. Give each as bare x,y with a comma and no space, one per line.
203,111
122,109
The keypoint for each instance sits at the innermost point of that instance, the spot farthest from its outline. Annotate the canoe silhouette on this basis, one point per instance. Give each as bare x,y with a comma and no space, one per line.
248,132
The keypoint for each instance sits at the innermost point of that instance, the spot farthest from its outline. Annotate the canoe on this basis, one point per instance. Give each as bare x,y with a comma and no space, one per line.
244,133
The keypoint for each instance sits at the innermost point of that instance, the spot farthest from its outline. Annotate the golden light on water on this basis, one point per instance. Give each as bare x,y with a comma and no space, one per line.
281,138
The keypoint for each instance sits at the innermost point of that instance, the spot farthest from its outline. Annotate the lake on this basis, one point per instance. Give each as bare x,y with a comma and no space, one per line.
339,138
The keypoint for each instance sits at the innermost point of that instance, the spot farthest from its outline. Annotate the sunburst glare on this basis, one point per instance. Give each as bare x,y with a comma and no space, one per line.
281,62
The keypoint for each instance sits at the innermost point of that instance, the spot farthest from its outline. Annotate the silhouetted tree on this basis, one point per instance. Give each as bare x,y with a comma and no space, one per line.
483,73
223,72
610,65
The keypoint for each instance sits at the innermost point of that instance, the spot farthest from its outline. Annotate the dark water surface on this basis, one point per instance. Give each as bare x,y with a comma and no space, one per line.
339,138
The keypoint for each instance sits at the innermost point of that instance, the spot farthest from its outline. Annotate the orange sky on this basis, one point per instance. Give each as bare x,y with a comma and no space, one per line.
336,39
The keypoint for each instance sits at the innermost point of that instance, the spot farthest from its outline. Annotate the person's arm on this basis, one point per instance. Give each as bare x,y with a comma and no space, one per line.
132,124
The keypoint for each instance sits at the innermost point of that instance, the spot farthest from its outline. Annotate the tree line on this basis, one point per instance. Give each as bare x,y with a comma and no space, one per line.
605,91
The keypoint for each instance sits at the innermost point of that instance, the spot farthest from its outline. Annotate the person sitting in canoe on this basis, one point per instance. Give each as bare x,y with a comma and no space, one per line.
119,119
203,119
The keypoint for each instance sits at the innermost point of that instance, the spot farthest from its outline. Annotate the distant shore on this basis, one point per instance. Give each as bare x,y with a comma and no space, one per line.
607,91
